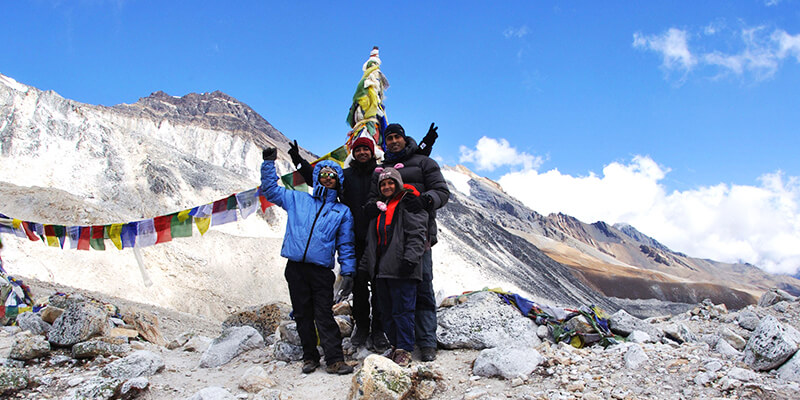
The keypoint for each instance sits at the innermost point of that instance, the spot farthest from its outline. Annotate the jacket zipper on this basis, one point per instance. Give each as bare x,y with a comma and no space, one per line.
312,229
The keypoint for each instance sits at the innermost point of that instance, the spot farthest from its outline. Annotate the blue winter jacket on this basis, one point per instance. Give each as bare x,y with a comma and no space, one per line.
317,225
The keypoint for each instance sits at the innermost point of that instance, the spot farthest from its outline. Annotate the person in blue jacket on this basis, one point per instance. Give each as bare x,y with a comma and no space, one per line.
318,225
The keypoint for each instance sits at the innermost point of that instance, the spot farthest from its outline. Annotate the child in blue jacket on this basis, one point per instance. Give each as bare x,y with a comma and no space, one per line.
318,225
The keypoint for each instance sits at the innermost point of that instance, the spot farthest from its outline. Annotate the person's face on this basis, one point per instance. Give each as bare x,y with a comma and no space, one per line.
362,154
395,142
328,179
388,187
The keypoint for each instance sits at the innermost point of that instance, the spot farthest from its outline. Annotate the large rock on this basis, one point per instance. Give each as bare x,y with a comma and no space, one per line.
198,344
774,296
146,324
679,333
508,362
790,370
285,351
771,344
748,320
81,321
13,379
624,324
265,319
484,321
32,322
724,348
139,363
96,388
232,342
104,346
28,347
380,379
213,393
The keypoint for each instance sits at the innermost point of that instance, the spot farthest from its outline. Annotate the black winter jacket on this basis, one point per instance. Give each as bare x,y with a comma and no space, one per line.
424,174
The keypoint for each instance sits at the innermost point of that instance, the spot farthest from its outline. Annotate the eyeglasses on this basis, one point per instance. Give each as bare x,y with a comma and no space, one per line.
331,175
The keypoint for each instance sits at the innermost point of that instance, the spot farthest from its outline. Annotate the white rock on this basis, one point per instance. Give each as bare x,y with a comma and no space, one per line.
635,357
638,336
508,362
232,342
771,345
790,370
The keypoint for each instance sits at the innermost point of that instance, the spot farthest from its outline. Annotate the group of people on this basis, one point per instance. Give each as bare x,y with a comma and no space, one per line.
380,216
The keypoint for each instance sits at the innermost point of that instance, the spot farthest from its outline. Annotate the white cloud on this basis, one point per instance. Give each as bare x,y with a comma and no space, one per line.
516,32
759,58
788,45
490,154
770,3
673,46
756,224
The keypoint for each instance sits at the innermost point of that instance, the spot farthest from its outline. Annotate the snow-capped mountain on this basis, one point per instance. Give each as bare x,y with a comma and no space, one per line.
64,162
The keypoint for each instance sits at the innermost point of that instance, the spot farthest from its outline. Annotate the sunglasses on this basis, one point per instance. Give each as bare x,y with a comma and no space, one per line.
331,175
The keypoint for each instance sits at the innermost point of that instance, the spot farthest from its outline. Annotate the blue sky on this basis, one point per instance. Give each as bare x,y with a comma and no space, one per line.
649,113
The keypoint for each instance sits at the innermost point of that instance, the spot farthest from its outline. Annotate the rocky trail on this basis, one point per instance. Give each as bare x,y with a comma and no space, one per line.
488,350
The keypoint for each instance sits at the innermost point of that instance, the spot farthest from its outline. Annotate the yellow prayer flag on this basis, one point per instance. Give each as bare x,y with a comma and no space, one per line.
52,241
202,224
183,215
16,223
114,232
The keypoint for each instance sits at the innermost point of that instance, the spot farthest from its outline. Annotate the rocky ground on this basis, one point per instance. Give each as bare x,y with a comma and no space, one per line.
489,351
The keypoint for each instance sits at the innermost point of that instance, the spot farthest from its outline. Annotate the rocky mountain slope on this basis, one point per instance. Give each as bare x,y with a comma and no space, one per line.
70,163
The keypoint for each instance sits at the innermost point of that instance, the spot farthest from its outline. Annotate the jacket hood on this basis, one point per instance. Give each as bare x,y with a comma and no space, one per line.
321,191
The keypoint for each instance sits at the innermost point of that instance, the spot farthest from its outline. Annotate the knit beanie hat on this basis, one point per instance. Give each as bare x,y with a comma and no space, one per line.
394,128
366,142
391,173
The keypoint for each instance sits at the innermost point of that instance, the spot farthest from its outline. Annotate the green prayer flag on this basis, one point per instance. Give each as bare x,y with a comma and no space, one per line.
180,228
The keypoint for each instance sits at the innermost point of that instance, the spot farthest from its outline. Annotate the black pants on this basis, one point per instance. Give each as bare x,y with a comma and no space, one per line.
362,300
426,305
311,291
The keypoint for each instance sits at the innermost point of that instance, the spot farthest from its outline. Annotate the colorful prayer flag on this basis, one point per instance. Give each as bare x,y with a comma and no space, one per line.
162,225
128,234
98,234
224,211
147,233
181,227
74,234
115,234
85,238
247,202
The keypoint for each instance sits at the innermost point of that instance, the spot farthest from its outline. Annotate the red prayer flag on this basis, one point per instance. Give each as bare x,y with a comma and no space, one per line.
163,228
30,231
83,239
264,203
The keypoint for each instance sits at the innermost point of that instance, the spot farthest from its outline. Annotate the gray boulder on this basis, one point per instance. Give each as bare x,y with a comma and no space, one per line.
232,342
139,363
285,351
28,347
623,324
679,333
96,388
790,370
748,320
724,348
639,337
484,321
80,322
104,346
213,393
287,331
774,296
507,362
31,321
197,344
771,345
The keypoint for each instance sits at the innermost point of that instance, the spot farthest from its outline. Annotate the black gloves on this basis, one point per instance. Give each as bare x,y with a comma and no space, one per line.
346,287
270,153
426,145
371,210
418,203
407,268
294,152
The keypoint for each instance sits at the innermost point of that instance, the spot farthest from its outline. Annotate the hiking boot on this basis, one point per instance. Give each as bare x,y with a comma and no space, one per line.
379,342
310,366
359,337
401,358
339,367
428,353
